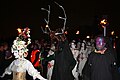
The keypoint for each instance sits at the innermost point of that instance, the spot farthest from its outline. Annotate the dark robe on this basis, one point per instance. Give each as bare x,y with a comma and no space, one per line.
101,67
64,62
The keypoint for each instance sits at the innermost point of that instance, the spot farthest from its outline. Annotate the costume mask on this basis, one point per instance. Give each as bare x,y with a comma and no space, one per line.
100,43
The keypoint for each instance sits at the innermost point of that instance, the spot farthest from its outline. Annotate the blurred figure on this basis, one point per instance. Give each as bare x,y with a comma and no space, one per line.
50,62
82,58
8,58
35,57
7,51
75,52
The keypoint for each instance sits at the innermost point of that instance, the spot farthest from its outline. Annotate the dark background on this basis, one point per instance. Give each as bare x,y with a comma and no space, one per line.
83,15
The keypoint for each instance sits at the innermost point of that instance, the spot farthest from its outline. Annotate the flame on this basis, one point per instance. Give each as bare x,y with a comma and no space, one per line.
112,33
104,21
77,32
19,30
46,25
114,45
87,36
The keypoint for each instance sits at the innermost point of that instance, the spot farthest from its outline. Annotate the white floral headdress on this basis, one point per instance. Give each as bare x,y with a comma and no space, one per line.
21,42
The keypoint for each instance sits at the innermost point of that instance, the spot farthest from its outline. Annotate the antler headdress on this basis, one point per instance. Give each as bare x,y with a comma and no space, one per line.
47,21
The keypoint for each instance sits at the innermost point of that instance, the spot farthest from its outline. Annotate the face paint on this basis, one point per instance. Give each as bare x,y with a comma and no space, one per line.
100,43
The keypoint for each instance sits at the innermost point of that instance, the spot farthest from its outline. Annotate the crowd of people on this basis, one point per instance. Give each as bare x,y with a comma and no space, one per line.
60,59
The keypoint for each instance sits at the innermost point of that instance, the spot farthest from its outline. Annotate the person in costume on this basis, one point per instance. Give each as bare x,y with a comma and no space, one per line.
82,57
75,52
64,60
101,63
20,65
35,57
51,62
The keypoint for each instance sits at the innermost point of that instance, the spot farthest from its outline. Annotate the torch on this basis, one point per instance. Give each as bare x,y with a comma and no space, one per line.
19,30
104,24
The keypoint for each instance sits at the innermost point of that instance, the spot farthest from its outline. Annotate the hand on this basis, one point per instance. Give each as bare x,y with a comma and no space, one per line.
43,79
40,77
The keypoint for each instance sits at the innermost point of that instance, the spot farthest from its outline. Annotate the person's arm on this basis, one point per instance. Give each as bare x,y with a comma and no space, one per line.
33,72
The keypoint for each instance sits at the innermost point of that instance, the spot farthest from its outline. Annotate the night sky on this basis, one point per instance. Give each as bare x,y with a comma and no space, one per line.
83,15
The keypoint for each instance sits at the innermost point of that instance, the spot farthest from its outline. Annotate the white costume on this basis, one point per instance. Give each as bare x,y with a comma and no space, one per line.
75,55
82,58
50,63
19,66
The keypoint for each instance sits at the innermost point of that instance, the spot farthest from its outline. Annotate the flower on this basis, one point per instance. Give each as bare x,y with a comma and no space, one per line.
20,44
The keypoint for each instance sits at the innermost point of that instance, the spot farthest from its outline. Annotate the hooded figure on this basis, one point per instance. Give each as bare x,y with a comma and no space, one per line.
101,63
64,60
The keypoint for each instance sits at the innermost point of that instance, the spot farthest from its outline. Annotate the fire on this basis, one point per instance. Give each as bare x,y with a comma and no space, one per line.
104,21
47,26
19,30
77,32
112,33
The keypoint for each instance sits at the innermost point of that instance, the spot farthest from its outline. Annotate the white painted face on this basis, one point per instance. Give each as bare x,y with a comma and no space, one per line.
18,53
21,52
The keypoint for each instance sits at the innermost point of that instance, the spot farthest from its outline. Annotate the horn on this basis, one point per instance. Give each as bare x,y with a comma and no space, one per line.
64,18
47,21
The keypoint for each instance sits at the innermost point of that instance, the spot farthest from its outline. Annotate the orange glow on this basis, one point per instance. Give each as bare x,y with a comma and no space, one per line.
66,32
19,30
77,32
46,25
87,36
104,21
112,33
114,45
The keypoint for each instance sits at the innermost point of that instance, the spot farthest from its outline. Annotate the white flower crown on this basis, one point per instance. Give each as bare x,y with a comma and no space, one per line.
21,42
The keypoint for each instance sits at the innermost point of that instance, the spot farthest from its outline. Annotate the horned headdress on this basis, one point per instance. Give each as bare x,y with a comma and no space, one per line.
47,21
